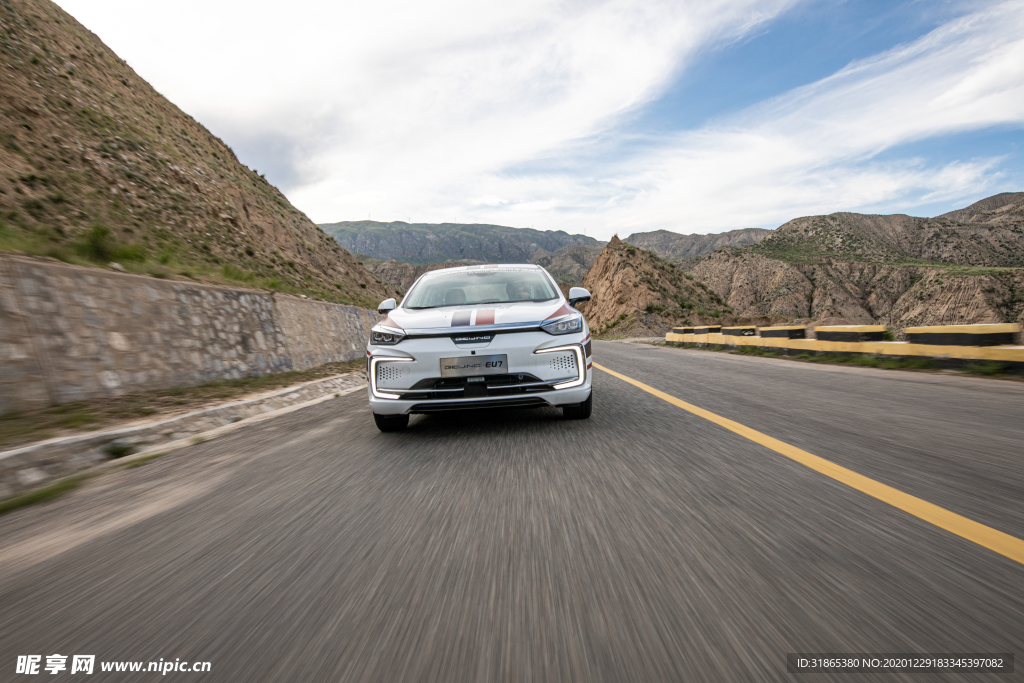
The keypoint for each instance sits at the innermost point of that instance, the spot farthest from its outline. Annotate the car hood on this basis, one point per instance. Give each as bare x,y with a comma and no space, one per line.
448,317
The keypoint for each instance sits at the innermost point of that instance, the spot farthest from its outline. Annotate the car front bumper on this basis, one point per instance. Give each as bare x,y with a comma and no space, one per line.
542,369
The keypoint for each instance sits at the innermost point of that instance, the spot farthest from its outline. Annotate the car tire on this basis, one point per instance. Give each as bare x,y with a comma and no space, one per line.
391,423
579,411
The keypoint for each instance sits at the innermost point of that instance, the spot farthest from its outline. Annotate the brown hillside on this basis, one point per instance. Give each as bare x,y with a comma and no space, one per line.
687,250
863,293
637,294
998,208
96,166
960,268
992,237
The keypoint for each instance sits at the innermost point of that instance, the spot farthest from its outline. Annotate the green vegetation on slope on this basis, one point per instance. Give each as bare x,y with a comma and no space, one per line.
991,240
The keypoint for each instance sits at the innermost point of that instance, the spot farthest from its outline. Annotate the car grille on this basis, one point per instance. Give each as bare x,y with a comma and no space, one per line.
492,386
518,402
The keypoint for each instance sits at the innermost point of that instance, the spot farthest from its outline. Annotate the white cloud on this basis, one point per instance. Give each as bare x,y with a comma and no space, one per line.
815,149
413,104
444,110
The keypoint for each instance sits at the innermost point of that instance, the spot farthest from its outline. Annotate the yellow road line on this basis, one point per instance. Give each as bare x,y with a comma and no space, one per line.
1004,544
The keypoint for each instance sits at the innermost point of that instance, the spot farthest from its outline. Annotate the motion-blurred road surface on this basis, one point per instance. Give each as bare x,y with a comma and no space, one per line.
644,544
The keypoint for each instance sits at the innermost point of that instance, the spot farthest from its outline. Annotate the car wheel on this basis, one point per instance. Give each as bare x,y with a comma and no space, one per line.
391,423
579,411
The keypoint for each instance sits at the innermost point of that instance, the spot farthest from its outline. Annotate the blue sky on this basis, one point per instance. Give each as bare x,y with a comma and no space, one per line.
604,117
808,43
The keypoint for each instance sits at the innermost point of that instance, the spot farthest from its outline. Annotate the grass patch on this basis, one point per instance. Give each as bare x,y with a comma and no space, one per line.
118,449
43,494
236,274
42,424
908,364
869,361
96,244
989,369
756,351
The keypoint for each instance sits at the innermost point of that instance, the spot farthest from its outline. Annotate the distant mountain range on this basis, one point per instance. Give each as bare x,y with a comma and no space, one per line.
686,250
424,243
567,257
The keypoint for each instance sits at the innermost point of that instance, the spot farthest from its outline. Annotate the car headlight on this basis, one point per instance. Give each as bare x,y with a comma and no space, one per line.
383,335
565,325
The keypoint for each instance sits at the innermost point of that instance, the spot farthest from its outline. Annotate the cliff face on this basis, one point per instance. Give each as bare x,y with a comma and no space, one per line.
96,166
863,293
959,268
636,293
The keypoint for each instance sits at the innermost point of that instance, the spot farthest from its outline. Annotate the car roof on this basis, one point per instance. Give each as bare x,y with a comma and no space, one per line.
487,266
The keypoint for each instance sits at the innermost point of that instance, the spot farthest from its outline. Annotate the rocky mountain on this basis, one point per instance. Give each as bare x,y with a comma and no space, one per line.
97,167
966,266
570,263
994,237
566,264
638,294
423,243
998,208
687,250
400,274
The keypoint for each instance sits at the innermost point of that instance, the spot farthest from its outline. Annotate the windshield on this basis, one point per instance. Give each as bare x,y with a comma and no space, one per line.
484,286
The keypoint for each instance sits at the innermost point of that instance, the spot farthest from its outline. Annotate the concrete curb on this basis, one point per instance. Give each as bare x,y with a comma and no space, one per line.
214,433
40,464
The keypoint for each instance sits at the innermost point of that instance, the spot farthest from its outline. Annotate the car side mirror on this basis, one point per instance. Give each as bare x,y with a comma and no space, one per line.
386,306
578,294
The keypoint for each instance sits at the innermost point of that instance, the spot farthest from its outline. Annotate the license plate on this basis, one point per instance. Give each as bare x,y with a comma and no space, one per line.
471,366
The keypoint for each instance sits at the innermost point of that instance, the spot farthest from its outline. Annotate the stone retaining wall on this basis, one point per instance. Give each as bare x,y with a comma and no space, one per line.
69,333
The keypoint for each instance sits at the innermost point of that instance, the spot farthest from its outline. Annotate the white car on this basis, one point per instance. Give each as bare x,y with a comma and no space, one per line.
490,336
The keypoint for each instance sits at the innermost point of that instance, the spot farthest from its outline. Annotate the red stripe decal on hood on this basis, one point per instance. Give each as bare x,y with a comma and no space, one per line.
564,310
461,318
484,316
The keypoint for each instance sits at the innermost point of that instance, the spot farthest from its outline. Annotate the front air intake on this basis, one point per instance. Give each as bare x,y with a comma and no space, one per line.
389,372
564,363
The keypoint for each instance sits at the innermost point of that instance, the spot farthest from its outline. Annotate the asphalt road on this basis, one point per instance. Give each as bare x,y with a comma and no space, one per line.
645,544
